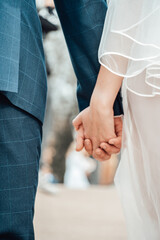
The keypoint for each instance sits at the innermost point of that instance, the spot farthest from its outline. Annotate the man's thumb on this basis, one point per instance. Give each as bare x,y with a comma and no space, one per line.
116,142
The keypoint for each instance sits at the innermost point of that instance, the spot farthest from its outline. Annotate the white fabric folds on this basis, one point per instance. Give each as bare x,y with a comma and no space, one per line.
130,45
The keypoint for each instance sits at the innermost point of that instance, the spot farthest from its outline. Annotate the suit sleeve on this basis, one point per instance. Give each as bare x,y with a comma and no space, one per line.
82,23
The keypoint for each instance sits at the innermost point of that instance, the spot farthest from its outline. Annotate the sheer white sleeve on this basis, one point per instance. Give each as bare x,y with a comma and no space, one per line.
130,44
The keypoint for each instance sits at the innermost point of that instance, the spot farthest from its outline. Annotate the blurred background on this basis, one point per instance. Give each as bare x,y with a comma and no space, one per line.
76,196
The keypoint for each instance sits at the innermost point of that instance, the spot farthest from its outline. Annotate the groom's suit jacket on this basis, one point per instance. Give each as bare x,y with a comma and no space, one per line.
22,65
82,22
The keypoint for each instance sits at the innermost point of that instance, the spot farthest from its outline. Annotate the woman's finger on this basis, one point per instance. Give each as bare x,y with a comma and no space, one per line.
77,121
80,139
88,146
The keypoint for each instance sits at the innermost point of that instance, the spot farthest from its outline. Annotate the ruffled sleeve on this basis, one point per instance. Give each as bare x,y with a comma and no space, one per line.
130,44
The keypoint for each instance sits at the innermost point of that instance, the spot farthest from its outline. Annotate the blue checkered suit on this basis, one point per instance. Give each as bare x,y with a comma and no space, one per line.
22,65
20,147
22,106
82,22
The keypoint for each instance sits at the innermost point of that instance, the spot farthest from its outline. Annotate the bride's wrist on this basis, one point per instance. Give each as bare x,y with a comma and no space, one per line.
103,100
106,89
101,104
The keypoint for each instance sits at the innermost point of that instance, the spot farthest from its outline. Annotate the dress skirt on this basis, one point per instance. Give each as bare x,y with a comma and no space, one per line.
138,175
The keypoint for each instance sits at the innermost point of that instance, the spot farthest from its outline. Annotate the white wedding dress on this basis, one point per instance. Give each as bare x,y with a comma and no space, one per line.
130,47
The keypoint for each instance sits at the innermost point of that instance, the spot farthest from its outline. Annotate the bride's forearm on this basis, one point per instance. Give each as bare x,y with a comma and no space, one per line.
106,89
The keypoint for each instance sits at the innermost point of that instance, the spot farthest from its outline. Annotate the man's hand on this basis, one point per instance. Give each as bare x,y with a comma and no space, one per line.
114,145
115,142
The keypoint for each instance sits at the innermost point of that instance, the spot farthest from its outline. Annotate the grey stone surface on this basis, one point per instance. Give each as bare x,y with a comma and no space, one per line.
92,214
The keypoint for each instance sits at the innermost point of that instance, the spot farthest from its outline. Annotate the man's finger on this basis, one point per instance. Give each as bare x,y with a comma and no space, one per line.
109,149
88,146
80,139
118,126
117,142
101,155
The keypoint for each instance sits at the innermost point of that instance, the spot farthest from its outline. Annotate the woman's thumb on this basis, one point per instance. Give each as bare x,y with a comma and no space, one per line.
77,121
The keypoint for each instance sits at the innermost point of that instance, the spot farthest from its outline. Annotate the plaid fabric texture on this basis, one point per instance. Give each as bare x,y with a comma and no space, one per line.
82,22
22,64
20,141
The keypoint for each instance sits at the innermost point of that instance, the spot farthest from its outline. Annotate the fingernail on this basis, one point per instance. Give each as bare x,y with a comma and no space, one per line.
98,152
104,146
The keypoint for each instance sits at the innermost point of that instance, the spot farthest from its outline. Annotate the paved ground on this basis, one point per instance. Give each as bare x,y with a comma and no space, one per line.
93,214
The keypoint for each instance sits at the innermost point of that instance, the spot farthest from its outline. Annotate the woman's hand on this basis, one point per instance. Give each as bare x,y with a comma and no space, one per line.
96,124
113,146
105,150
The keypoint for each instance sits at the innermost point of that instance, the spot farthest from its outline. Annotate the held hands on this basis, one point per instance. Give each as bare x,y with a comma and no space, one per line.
97,129
99,132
